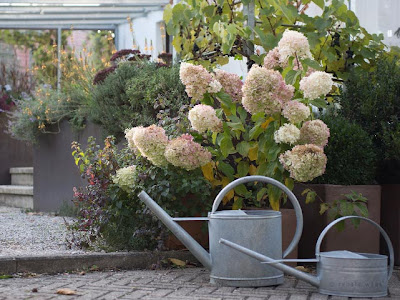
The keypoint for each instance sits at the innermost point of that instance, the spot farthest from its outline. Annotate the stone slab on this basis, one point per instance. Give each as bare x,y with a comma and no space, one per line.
20,201
66,263
21,170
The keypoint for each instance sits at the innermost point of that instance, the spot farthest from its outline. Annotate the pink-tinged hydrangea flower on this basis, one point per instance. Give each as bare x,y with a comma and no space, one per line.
231,83
316,85
304,162
265,91
214,87
273,60
151,142
203,117
125,178
196,80
314,132
183,152
293,43
296,112
288,134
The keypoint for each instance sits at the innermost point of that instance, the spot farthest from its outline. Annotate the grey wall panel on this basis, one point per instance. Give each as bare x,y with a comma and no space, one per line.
55,172
13,153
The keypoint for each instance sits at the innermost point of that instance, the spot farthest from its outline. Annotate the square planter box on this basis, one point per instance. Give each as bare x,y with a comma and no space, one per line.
365,238
390,217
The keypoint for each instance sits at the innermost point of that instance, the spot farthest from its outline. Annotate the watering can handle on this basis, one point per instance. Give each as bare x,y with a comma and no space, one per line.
383,232
291,196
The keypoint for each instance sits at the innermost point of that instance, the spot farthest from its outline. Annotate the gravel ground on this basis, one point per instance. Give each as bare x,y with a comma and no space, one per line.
27,234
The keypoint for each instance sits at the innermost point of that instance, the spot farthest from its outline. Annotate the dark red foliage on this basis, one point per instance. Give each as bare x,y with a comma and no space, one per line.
139,57
122,53
5,102
102,74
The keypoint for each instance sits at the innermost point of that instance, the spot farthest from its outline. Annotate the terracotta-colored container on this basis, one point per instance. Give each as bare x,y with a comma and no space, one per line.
363,239
390,217
366,237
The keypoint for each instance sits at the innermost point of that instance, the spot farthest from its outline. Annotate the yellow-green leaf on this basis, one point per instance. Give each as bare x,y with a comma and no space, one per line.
253,153
208,171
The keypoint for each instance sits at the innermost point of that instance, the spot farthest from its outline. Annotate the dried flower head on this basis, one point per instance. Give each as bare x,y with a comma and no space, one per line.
288,134
231,83
183,152
203,117
196,80
293,44
314,132
296,112
317,84
265,91
151,142
304,162
125,178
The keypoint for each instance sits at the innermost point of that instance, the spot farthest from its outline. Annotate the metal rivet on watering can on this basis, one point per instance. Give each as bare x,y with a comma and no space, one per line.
259,230
340,273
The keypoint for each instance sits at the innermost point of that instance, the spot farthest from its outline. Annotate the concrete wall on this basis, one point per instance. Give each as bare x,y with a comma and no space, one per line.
55,172
13,153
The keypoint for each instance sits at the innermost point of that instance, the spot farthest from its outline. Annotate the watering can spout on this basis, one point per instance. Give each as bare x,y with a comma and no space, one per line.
313,280
194,247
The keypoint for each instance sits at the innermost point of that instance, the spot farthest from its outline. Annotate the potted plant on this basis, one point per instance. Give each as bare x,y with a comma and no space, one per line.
264,126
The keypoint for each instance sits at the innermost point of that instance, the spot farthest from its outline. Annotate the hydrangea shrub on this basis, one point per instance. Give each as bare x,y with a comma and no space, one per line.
265,128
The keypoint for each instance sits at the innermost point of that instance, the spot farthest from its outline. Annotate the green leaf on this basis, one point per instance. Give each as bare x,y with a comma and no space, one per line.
320,3
226,146
238,203
291,76
241,190
273,152
346,208
226,169
255,132
243,148
261,194
310,198
320,103
224,98
262,169
323,208
167,13
363,209
243,168
311,63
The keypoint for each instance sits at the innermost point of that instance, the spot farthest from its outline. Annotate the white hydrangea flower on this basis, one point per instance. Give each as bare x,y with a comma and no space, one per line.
293,43
203,117
316,85
288,134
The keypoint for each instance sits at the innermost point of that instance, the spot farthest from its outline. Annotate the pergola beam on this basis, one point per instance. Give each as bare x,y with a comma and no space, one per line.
84,2
45,10
66,17
57,23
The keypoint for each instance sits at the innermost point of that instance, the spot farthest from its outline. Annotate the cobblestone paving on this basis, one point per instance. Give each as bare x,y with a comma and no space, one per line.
160,284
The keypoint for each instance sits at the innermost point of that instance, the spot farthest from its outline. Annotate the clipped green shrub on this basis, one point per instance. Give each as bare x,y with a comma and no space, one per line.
373,101
351,154
137,93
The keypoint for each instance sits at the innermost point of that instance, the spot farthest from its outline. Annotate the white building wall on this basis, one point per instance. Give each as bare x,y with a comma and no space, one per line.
379,16
144,28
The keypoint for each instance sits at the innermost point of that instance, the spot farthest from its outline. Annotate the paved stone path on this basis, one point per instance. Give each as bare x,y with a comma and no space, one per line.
160,284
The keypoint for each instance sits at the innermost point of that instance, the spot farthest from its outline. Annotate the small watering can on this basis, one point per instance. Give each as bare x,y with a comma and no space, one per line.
260,230
339,273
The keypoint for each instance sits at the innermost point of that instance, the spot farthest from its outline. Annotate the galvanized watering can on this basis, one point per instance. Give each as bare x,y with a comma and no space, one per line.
260,230
339,273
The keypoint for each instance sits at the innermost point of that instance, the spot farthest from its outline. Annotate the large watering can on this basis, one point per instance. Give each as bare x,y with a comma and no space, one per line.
259,230
340,273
